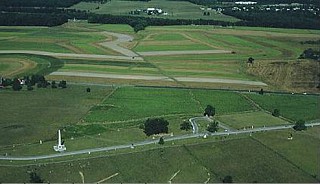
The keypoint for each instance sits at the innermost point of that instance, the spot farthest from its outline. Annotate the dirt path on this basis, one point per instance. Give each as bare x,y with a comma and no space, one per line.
161,78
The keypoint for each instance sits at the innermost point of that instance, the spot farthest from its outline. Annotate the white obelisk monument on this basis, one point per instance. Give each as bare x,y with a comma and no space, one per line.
60,147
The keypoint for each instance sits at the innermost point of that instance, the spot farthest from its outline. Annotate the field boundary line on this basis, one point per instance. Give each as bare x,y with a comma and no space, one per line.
284,158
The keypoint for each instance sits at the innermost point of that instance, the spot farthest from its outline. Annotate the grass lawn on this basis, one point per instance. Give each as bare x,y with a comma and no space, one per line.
255,119
294,107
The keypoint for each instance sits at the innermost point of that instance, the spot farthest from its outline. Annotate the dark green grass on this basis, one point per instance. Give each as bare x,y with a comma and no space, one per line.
30,116
294,107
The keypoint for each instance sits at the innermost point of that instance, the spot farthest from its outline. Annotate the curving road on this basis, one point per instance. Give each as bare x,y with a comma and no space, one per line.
114,45
147,142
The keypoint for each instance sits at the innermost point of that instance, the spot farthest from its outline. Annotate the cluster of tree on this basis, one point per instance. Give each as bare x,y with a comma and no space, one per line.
38,19
38,3
200,2
284,19
155,126
30,82
41,10
206,13
139,23
310,54
213,126
311,42
214,2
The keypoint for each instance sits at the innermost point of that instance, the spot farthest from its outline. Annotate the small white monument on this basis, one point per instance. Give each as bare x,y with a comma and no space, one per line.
60,147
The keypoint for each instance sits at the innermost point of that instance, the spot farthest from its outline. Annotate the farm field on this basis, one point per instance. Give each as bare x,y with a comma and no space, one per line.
113,111
236,45
175,9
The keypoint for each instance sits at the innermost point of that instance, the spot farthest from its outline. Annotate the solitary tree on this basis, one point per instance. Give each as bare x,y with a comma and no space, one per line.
276,113
300,125
209,111
261,91
155,126
53,84
161,141
250,60
213,127
186,125
35,178
227,179
88,90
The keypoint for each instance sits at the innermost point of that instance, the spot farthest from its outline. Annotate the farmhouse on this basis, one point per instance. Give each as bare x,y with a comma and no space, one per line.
154,11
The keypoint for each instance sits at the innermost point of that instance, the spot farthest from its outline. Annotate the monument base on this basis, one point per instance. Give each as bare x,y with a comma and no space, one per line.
59,148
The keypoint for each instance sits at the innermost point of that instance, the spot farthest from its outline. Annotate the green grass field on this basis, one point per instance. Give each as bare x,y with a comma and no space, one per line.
294,107
192,163
256,119
30,116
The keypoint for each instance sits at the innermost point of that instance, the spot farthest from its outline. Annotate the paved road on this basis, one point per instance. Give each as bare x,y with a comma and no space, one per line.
184,52
70,55
147,142
159,78
114,45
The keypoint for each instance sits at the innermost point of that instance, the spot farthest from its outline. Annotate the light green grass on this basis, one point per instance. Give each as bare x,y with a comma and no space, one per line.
170,47
255,119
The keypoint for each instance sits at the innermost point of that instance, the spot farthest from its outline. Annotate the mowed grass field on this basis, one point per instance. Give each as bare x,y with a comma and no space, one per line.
245,159
175,9
247,120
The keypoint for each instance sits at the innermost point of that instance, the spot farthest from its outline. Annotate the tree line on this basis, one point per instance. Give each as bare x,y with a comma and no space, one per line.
281,19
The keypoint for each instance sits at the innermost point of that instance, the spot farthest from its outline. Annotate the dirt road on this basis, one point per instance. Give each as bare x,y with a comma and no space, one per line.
159,78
